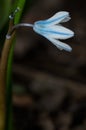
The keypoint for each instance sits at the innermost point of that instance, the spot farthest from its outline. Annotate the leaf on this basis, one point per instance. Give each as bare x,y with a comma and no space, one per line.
20,5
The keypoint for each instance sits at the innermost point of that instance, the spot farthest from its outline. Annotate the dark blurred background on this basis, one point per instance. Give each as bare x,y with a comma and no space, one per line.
49,85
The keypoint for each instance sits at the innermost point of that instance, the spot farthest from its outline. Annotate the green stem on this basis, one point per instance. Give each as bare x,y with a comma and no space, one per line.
3,73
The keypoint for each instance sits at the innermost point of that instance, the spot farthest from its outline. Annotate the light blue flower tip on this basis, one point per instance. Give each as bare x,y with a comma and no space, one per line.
53,30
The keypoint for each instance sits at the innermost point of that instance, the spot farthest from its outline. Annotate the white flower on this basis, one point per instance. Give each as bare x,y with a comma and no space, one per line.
53,30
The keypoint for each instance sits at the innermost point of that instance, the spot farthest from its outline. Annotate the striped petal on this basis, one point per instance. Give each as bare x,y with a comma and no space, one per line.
56,31
59,17
60,45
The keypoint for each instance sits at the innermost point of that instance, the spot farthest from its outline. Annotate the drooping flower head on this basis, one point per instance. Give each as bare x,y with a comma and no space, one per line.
53,30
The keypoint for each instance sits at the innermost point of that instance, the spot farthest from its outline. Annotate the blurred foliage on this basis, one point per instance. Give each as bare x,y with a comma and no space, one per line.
6,7
19,89
4,11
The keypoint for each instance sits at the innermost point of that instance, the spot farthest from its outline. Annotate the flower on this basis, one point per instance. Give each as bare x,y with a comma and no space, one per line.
53,30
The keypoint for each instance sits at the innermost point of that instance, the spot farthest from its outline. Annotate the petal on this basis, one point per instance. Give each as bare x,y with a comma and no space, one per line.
59,44
61,16
58,32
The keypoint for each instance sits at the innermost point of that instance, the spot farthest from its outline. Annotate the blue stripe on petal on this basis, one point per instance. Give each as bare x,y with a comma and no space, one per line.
53,32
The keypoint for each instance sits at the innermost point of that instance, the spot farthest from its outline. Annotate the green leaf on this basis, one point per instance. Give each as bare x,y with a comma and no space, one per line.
20,5
5,6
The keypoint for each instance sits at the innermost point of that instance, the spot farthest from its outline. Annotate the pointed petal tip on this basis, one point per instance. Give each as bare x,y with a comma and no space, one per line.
69,49
72,34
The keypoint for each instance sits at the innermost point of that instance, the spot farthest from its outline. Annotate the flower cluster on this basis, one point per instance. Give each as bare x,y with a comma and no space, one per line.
53,30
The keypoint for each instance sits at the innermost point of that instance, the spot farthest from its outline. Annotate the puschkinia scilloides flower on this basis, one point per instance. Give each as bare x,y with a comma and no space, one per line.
53,30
